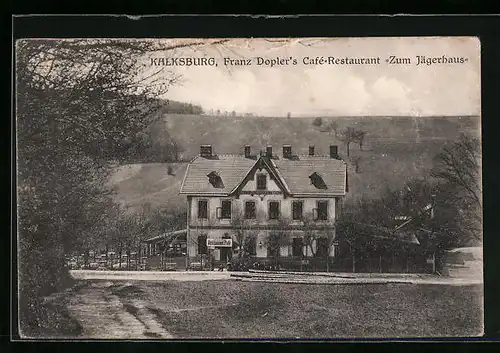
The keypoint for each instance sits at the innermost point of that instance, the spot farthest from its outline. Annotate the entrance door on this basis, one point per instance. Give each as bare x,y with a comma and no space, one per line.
226,254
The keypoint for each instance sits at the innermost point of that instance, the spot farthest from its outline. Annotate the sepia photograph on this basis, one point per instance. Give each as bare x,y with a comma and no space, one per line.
249,188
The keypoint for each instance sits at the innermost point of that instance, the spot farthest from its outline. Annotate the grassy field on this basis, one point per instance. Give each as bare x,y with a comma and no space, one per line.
396,149
229,309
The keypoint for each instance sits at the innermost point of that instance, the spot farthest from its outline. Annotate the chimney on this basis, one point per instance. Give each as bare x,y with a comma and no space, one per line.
287,151
269,151
206,151
334,152
311,150
247,151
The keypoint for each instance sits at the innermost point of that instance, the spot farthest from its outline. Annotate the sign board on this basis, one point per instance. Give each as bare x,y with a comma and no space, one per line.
221,243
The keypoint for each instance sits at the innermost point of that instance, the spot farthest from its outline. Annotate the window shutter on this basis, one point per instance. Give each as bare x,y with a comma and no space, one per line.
315,214
219,212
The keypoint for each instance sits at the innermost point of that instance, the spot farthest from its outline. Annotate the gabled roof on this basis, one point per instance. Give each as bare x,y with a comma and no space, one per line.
292,173
265,163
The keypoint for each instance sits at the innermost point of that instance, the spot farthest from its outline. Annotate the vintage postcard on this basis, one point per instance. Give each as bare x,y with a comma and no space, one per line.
263,188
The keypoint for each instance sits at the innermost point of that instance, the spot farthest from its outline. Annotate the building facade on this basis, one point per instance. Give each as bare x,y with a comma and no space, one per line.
271,206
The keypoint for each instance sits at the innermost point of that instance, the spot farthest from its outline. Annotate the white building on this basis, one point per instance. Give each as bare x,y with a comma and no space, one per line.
273,205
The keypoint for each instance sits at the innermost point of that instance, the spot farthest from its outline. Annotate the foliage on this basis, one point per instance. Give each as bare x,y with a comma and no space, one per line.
80,104
443,210
459,170
317,121
278,237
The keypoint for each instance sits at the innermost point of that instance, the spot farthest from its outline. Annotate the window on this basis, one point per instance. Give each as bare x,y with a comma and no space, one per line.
261,182
297,210
202,244
317,181
297,247
274,210
250,210
322,247
322,211
203,209
215,179
226,209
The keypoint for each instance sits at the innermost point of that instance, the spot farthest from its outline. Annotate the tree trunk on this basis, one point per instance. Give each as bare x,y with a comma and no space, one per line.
107,249
353,262
138,258
347,145
380,263
86,259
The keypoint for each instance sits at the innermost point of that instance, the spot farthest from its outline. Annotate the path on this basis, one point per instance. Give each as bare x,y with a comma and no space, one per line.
150,275
104,315
278,277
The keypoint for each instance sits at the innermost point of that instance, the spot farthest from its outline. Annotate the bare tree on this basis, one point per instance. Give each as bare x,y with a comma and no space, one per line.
314,233
176,149
459,168
277,238
330,127
348,135
460,165
355,162
360,137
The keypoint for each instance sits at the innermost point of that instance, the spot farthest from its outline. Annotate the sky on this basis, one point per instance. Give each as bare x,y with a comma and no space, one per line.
332,90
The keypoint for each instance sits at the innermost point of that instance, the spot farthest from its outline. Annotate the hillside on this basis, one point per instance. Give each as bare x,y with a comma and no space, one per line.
395,150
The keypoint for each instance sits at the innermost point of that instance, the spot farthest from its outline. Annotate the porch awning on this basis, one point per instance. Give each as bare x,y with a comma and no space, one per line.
178,235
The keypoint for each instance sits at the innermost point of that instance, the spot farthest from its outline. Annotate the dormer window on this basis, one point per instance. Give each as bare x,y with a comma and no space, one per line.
317,181
261,182
215,179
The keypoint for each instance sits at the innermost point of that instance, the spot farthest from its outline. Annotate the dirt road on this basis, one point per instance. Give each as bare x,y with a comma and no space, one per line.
104,314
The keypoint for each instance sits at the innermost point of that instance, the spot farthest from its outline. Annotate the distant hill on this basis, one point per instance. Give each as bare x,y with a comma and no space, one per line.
395,150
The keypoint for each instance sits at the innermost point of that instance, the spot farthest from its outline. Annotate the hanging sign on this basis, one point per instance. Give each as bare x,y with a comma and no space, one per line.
220,243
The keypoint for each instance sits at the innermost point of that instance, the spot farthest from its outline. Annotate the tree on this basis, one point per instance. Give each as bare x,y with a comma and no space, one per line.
330,127
355,162
348,135
360,137
313,235
277,238
176,149
242,230
317,122
458,167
